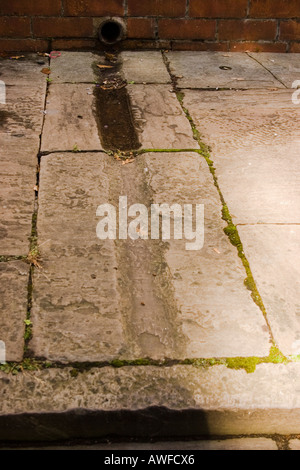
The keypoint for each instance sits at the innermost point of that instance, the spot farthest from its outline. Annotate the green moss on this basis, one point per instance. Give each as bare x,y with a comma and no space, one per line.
28,331
141,362
117,363
226,214
27,364
136,362
233,235
75,148
6,259
74,373
276,356
250,363
294,358
180,96
247,363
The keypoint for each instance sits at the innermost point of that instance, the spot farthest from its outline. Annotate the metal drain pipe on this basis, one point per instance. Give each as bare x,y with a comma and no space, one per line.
112,30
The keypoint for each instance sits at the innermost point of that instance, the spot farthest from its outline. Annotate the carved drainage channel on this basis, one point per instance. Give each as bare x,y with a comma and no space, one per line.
114,113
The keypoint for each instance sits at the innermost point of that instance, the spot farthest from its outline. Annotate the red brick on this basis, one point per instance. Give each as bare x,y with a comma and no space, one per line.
141,28
275,8
257,47
186,29
290,30
94,8
295,47
15,27
199,46
218,8
63,27
23,45
169,8
73,44
30,7
251,30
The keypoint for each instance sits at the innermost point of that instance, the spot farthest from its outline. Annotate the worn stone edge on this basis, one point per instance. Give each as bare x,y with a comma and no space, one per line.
218,402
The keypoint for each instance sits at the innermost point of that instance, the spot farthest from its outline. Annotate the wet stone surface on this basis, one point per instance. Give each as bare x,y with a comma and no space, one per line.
18,160
255,150
273,252
161,121
144,337
14,277
21,119
120,292
286,68
149,401
75,105
73,67
141,67
114,115
219,70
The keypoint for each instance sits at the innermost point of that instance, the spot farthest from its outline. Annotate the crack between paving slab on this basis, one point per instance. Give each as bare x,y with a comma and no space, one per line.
121,153
248,364
33,257
276,78
231,229
268,223
8,258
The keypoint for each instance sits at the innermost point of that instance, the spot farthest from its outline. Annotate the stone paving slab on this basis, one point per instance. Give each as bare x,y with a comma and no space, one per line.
18,160
143,300
219,70
74,67
254,146
285,67
76,298
22,115
294,444
107,288
273,252
144,67
160,119
150,401
70,120
88,279
21,119
24,71
13,307
218,315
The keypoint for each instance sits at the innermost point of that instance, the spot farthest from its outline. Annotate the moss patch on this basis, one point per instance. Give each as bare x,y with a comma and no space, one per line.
26,365
247,363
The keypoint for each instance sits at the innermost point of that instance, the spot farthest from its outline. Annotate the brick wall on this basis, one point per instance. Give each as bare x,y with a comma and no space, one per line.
227,25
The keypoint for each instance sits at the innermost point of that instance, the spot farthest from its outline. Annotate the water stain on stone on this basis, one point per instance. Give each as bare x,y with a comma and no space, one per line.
4,115
9,118
3,233
115,118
